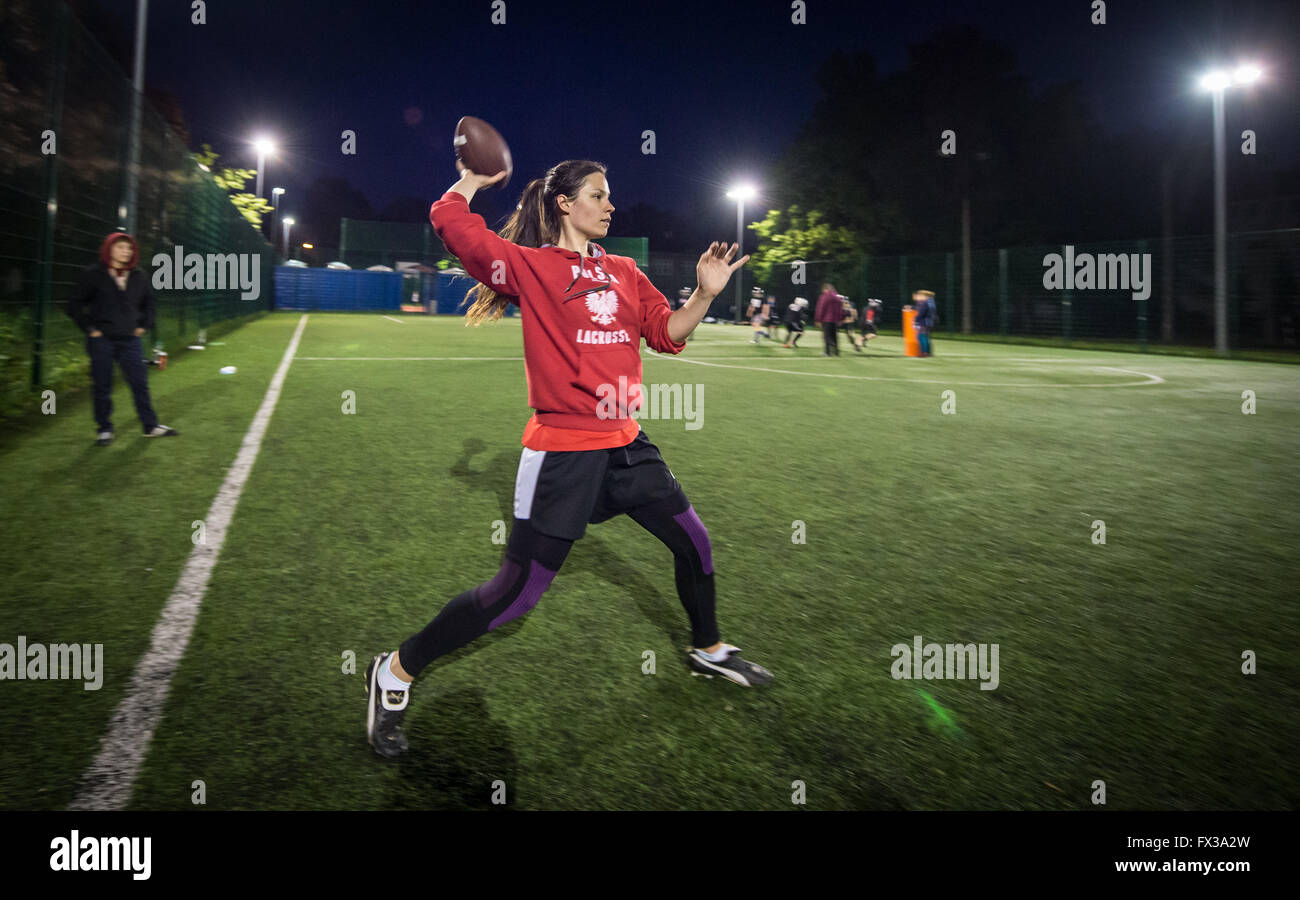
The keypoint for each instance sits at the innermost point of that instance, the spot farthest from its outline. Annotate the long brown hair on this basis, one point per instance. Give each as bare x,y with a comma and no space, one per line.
535,221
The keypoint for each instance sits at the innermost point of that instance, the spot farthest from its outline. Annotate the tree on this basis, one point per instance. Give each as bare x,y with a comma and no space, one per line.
1033,165
249,205
795,236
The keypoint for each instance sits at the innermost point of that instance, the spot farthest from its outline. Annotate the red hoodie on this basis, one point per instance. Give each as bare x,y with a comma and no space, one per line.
583,321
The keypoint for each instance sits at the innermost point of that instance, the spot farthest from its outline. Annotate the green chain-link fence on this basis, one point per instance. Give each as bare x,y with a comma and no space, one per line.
364,243
1008,298
61,91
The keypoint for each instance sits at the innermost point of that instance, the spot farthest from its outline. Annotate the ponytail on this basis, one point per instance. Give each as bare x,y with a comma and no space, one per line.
535,221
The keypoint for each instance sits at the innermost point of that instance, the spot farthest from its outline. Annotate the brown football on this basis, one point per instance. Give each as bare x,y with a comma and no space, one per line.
482,149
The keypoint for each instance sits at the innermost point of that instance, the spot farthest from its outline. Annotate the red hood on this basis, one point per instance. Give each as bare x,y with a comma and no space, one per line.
108,242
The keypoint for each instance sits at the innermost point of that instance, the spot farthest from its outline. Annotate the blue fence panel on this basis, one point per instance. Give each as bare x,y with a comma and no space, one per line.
451,290
337,289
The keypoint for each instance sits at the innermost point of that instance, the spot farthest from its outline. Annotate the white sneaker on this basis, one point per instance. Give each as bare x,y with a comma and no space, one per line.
162,431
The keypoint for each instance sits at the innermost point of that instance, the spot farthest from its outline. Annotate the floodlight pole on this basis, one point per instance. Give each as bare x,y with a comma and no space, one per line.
740,247
127,217
261,164
1220,229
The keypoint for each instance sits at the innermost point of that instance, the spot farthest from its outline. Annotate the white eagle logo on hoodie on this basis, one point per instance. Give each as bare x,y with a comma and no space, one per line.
603,306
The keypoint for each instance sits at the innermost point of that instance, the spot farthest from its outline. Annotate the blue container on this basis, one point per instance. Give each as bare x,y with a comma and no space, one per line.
451,291
337,289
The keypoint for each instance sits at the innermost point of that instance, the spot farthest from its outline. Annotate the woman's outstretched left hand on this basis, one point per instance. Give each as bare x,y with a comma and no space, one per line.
714,269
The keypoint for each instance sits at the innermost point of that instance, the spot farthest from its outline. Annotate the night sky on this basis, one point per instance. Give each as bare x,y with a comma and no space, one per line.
725,85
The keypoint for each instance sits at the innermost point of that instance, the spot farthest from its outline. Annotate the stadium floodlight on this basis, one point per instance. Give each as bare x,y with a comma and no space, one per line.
1216,80
1247,73
288,223
1217,83
740,193
264,148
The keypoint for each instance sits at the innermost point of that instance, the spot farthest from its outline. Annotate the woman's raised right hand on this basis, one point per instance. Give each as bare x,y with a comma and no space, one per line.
475,180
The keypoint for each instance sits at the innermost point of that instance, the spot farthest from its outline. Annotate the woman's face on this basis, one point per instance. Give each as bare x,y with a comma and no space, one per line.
120,252
590,211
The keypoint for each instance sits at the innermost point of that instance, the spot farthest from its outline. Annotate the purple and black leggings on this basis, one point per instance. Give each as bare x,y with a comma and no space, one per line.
531,561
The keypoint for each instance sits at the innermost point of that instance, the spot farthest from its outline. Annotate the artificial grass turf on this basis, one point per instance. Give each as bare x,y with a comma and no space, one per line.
1118,661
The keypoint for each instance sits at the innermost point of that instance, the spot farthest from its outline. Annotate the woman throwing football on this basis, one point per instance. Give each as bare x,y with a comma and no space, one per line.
584,314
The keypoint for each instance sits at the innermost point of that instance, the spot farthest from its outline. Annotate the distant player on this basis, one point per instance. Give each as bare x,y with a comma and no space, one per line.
827,315
794,321
758,313
773,317
927,316
846,321
867,323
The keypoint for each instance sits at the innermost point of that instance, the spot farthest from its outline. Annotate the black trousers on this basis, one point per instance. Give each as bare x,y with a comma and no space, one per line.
556,495
128,354
831,338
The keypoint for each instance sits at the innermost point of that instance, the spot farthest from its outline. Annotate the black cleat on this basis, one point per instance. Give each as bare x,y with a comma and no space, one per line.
741,671
104,438
384,713
161,431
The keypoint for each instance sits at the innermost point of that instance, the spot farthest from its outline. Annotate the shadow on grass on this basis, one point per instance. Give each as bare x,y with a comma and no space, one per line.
457,752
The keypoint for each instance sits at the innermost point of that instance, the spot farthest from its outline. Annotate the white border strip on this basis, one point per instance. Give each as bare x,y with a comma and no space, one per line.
108,782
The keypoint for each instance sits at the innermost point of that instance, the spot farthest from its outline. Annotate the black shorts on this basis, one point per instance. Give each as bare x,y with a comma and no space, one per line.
560,492
868,328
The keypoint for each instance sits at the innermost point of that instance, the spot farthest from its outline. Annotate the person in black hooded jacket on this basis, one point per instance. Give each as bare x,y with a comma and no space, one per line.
114,306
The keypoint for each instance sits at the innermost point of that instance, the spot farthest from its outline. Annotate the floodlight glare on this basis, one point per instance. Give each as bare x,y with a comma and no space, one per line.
1246,74
1216,80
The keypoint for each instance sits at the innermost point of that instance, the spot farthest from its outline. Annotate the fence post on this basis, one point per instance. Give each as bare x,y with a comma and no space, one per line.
1142,304
1234,293
948,289
1002,291
1066,303
45,253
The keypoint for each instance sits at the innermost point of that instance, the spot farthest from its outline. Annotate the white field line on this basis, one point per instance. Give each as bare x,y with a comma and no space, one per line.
391,319
108,782
1148,378
405,358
